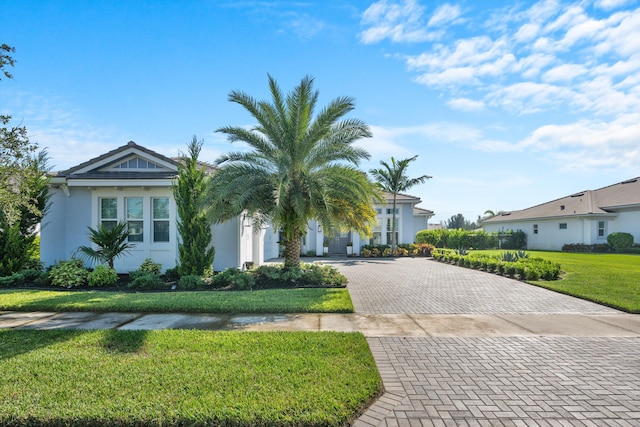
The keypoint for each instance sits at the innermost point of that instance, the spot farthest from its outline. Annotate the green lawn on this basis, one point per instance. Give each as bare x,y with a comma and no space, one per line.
304,300
178,377
609,279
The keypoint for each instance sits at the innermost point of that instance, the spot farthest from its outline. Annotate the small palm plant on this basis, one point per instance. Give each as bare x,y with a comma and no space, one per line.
111,242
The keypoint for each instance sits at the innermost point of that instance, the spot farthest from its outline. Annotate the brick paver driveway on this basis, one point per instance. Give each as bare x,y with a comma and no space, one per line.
528,381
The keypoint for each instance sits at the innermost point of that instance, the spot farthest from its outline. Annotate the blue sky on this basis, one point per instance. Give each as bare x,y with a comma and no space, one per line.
507,104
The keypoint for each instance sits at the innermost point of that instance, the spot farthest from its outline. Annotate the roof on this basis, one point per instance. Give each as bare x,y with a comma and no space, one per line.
589,202
91,169
420,212
401,198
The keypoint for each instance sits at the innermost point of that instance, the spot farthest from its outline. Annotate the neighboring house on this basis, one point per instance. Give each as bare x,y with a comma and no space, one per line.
586,217
133,184
409,220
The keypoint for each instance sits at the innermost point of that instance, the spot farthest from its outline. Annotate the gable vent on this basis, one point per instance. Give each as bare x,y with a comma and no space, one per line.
577,195
631,181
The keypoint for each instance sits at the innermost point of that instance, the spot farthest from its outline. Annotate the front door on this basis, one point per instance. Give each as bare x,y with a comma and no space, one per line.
338,243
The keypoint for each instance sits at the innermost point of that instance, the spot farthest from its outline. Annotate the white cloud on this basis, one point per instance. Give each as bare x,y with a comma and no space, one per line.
529,97
563,73
398,22
445,14
611,4
590,143
527,32
466,104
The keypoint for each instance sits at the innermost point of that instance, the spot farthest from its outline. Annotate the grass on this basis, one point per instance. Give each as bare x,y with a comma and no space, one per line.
178,377
609,279
304,300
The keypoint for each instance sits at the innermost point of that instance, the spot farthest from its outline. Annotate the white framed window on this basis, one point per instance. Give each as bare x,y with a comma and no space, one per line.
535,228
390,211
563,226
108,212
602,229
135,218
160,218
376,238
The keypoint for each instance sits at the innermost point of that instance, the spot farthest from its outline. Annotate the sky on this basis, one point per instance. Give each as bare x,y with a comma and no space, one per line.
507,104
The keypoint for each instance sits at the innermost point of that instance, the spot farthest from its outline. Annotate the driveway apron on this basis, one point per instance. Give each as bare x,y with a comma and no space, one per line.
536,380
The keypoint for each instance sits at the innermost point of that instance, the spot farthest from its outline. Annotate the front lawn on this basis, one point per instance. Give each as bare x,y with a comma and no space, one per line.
179,377
301,300
609,279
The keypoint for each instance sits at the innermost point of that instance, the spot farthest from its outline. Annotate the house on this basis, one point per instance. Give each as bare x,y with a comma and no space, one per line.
586,217
133,184
409,220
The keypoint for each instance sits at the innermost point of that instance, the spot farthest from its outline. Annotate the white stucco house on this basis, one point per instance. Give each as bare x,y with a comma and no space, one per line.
134,184
586,217
409,220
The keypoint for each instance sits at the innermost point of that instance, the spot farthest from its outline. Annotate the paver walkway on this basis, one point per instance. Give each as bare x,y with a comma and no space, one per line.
538,380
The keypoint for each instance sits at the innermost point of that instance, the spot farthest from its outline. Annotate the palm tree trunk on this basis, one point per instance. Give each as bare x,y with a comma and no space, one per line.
292,251
393,226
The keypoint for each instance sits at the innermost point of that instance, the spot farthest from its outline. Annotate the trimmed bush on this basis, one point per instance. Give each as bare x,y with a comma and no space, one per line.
149,266
102,276
16,279
233,278
190,282
69,273
620,241
145,281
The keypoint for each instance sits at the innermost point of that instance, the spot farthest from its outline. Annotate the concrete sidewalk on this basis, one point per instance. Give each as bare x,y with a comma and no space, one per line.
371,325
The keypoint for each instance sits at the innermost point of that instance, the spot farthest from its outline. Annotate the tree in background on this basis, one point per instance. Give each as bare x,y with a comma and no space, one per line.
24,191
393,179
459,222
300,168
194,250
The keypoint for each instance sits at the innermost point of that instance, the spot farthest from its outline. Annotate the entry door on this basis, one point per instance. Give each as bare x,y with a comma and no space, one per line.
338,243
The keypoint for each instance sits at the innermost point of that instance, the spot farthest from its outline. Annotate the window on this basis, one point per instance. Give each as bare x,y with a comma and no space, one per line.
535,228
109,212
135,218
137,163
389,231
602,228
390,211
563,226
379,211
160,219
376,239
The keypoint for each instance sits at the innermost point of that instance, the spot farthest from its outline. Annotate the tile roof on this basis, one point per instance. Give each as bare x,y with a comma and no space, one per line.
589,202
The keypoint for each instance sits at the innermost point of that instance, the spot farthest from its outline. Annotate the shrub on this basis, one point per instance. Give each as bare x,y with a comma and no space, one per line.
172,274
31,275
492,265
233,278
520,270
365,253
510,269
16,279
69,273
580,247
149,266
402,252
308,275
145,280
532,273
513,239
620,241
102,275
190,282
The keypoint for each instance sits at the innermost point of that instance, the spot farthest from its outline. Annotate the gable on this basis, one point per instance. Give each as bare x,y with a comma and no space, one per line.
128,165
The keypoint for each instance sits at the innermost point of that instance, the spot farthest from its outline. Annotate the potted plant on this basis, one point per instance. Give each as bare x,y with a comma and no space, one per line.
350,249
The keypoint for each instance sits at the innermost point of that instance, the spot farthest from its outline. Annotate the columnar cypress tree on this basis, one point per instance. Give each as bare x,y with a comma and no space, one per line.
194,251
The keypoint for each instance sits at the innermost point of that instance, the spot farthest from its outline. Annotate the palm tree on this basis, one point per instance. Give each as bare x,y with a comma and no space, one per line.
111,242
300,167
392,178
